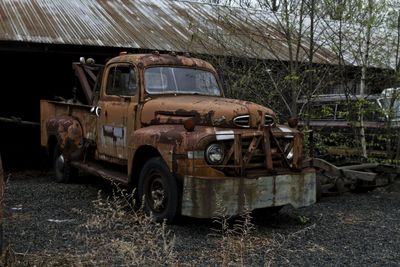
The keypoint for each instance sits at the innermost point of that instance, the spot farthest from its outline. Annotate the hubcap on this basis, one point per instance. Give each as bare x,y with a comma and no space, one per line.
156,194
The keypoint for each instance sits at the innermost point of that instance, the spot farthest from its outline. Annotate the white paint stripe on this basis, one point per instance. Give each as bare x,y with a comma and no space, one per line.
285,129
225,135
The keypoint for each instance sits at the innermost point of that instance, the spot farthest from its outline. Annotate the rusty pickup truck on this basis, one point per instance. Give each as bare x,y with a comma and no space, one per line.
161,123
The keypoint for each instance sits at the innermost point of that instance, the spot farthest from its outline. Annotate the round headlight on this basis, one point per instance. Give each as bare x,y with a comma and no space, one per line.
215,154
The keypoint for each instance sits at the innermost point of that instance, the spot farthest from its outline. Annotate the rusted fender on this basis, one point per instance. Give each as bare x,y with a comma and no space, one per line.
69,134
173,143
167,139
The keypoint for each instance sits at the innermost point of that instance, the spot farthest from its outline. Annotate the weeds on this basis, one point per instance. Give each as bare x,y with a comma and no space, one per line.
235,239
118,234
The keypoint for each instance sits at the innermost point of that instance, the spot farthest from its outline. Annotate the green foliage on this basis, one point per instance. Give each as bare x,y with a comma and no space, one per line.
281,82
303,219
292,77
327,111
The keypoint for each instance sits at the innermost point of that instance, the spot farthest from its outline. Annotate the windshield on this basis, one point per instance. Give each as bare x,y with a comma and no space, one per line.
169,80
386,102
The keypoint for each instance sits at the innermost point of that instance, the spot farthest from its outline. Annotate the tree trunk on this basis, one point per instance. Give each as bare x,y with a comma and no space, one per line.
362,128
288,33
365,64
397,153
398,149
398,43
274,6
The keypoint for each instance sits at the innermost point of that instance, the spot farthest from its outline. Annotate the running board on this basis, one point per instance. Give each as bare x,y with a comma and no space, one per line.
101,171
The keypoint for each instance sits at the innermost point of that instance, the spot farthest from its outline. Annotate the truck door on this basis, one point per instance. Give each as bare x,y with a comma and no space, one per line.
117,108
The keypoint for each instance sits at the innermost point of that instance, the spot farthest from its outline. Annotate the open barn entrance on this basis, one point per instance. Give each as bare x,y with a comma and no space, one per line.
30,73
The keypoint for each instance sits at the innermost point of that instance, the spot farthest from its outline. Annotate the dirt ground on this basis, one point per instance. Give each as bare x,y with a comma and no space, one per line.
45,222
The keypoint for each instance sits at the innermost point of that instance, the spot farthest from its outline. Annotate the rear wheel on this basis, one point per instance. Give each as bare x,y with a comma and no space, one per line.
158,189
261,212
63,170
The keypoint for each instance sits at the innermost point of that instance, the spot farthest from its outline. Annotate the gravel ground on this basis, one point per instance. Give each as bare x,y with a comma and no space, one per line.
44,218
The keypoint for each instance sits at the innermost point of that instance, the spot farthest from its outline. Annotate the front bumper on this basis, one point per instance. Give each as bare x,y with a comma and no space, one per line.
202,197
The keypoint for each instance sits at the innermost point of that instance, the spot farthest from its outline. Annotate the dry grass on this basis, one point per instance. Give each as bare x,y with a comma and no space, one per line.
234,239
117,233
45,259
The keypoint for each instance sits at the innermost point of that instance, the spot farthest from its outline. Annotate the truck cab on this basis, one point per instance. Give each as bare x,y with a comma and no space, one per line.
161,123
389,101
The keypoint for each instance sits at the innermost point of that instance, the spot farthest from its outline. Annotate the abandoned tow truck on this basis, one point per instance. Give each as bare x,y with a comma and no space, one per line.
160,122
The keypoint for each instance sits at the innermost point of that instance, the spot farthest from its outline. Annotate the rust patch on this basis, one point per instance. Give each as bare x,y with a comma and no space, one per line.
65,128
171,138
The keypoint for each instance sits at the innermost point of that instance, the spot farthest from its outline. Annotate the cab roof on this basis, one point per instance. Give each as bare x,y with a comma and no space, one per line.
155,59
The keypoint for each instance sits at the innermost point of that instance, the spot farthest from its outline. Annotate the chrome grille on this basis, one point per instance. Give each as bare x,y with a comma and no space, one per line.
269,120
242,121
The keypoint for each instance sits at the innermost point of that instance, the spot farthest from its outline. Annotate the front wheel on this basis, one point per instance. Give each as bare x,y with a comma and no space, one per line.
269,210
158,189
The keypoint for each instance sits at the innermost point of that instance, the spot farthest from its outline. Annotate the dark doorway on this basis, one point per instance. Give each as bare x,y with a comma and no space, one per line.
30,73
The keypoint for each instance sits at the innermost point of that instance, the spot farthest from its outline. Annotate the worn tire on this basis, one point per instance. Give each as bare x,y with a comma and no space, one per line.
63,172
275,209
158,189
268,210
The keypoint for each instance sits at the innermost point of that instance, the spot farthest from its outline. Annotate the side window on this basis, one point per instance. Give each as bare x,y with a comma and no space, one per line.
121,80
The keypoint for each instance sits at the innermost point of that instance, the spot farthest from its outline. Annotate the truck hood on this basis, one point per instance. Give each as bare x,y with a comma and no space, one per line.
205,110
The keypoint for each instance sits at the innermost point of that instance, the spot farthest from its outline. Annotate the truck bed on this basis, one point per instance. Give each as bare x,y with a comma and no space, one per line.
52,109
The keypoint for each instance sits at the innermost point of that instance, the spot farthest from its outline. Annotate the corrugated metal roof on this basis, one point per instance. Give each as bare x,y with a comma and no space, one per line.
382,44
147,24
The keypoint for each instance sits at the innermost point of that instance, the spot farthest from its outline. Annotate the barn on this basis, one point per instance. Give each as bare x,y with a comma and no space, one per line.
39,39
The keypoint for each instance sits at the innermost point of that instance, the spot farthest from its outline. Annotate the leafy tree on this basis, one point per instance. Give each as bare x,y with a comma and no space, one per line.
312,47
